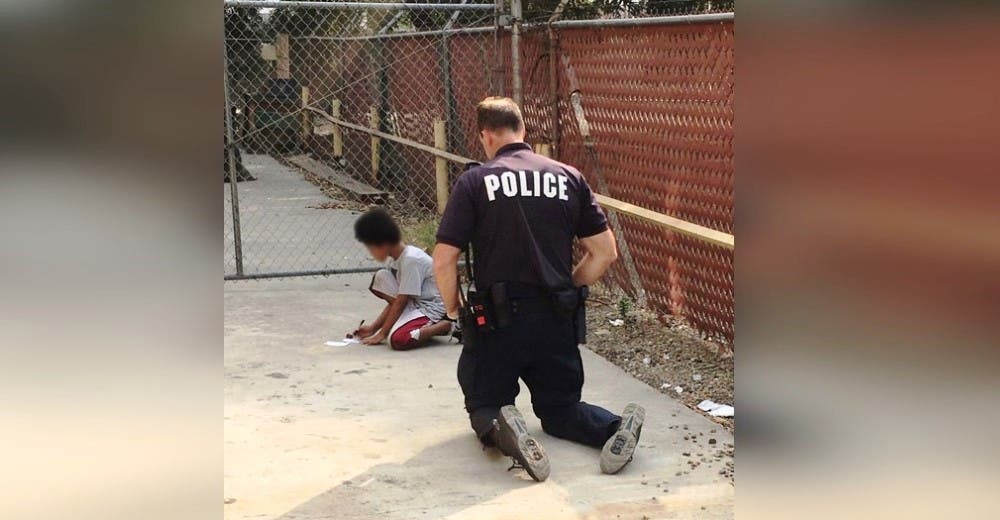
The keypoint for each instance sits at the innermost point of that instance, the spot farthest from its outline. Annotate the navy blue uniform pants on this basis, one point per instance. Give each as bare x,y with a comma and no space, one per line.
539,348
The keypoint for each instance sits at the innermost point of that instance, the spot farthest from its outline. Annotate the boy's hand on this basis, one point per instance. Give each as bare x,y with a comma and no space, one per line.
375,339
363,331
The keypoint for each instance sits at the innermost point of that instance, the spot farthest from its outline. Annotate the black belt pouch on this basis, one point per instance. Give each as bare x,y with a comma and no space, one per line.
500,304
476,319
565,302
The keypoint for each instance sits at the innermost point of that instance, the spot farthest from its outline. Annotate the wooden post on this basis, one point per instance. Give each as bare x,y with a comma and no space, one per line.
441,165
306,118
373,123
338,133
282,69
545,149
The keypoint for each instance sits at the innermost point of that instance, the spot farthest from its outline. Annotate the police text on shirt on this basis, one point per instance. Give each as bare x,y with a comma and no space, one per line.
526,184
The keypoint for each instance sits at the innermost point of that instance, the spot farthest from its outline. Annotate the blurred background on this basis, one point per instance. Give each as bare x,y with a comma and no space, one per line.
865,289
867,215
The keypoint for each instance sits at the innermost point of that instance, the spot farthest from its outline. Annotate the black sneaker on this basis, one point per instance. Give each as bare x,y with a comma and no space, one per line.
514,441
620,447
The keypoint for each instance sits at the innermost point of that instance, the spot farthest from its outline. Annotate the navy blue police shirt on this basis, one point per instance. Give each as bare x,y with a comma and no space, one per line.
521,212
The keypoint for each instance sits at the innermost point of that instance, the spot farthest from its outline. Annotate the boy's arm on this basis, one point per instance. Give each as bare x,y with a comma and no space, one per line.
377,324
446,276
389,316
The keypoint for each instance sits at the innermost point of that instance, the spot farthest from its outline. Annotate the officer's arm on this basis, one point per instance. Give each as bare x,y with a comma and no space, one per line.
446,276
599,251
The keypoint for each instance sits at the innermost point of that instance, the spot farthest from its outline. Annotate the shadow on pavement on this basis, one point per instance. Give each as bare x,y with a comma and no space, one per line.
418,487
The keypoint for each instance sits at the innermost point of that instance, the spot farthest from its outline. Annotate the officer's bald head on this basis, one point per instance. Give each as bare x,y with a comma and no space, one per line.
500,123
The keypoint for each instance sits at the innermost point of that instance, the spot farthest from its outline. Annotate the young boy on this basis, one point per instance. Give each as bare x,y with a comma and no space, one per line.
415,310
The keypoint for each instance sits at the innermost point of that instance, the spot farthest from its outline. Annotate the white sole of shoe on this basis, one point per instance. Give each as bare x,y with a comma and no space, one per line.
620,448
530,454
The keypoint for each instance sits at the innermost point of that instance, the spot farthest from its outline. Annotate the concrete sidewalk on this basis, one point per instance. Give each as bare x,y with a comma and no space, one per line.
281,228
365,432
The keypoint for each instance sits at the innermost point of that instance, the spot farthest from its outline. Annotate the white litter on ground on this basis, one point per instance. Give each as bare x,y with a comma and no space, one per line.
696,377
617,323
678,389
717,410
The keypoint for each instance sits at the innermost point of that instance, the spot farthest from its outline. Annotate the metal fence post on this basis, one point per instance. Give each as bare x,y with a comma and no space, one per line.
379,120
497,72
234,171
441,165
515,50
554,78
453,130
373,124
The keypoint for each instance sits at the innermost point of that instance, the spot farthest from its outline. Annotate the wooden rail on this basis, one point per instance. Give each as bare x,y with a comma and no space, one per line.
394,138
683,227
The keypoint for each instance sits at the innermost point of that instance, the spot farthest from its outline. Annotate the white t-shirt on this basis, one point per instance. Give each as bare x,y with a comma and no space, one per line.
414,270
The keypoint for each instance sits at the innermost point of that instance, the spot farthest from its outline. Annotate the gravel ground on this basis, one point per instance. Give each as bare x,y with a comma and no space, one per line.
664,354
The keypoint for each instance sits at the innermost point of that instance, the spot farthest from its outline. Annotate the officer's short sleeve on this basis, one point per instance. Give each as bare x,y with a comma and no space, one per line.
592,219
459,219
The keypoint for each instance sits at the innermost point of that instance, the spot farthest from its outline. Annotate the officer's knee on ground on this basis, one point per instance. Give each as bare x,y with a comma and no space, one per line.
553,419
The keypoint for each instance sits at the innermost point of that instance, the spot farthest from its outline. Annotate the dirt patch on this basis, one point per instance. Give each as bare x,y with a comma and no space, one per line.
664,353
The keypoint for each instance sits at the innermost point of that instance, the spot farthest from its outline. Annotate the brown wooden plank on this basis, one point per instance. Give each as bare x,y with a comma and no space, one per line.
690,229
394,138
338,179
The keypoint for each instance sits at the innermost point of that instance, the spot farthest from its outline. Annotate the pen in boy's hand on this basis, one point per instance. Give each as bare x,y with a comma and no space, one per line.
351,335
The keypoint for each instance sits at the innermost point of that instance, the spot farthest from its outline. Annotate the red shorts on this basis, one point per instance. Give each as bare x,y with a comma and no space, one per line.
401,339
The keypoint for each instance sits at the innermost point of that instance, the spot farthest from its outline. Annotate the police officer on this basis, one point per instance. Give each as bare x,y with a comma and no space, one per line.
521,213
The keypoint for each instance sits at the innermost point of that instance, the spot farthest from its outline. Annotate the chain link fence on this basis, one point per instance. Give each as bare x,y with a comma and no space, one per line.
408,70
644,107
642,103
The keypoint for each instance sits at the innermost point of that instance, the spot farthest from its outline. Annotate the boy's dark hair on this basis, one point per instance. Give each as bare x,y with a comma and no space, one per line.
376,227
494,113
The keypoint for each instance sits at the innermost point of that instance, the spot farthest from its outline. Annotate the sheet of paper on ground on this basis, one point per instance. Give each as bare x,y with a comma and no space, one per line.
343,343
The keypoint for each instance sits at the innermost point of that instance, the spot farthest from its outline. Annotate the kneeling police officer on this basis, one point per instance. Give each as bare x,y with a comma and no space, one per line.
523,316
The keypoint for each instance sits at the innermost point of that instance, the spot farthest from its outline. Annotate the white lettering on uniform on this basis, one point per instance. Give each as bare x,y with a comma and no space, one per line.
525,192
548,185
509,184
527,184
492,185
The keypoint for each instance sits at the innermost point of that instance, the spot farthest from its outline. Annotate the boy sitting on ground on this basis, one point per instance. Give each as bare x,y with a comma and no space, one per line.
415,309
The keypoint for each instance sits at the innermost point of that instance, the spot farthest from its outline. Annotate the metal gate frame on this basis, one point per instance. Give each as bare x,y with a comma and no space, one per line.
232,141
